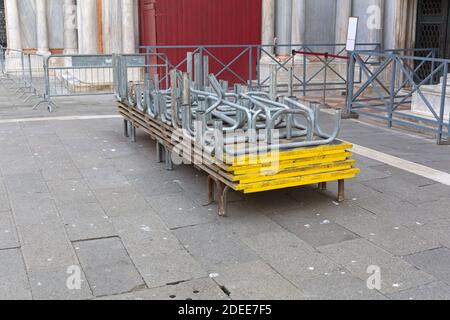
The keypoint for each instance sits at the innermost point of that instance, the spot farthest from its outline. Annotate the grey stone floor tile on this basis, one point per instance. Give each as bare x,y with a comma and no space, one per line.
315,230
396,239
8,234
256,281
25,183
357,255
157,254
4,199
154,184
435,262
85,221
199,289
13,277
104,177
244,221
213,246
293,258
177,210
108,267
414,193
438,231
52,284
19,165
46,245
338,285
123,201
70,191
433,291
33,209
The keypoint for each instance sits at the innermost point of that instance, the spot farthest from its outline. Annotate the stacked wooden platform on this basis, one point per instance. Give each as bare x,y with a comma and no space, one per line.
251,174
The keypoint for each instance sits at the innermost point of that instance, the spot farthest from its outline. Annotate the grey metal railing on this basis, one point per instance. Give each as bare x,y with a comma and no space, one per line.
390,88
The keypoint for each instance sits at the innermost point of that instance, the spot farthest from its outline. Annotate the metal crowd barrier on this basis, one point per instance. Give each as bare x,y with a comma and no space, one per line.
59,75
400,80
251,65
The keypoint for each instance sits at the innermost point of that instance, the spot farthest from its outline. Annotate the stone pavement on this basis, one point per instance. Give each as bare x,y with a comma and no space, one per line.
76,196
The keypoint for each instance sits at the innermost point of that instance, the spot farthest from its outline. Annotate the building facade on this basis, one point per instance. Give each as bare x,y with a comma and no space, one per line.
113,26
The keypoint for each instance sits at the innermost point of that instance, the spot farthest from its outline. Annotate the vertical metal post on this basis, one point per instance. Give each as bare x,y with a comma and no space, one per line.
273,81
205,71
324,98
442,104
125,128
189,64
392,90
258,66
305,72
250,67
30,70
350,79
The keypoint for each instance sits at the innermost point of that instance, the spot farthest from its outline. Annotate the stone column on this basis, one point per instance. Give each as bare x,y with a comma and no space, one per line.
268,25
116,26
70,27
284,26
14,37
343,13
375,22
88,23
106,16
42,28
128,32
298,22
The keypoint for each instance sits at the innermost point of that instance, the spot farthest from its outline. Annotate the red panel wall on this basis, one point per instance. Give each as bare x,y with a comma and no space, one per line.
204,22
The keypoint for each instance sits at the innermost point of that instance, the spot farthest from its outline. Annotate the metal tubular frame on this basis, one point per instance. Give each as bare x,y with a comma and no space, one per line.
400,72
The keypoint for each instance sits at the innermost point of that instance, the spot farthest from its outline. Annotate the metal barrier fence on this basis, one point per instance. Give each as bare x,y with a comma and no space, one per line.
390,89
62,75
252,65
21,71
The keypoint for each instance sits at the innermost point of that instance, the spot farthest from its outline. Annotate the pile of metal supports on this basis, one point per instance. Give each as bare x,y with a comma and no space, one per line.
247,141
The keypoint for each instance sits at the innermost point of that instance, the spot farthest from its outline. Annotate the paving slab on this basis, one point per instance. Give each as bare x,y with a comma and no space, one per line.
177,210
213,246
13,277
157,254
8,234
46,245
338,285
27,183
4,199
433,291
438,231
108,267
396,239
396,274
155,184
256,281
199,289
51,283
123,201
71,192
435,262
315,230
104,177
293,258
244,221
417,193
33,209
84,221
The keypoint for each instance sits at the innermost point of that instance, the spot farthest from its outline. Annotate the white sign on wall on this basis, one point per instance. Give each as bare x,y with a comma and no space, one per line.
352,33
